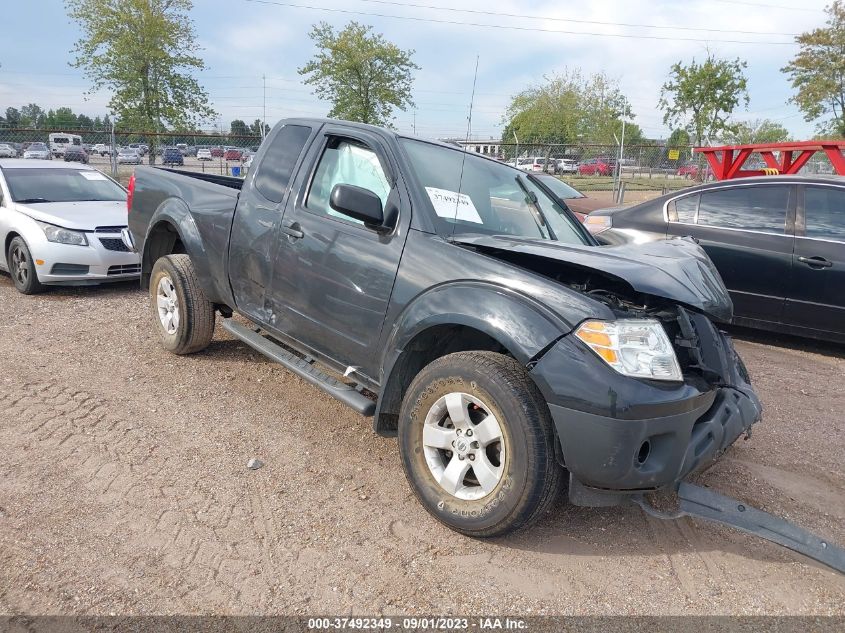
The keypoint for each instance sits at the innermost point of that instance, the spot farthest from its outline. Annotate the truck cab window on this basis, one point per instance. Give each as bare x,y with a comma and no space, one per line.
276,168
350,163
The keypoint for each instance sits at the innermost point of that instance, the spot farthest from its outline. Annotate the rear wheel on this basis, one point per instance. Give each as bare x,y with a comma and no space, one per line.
22,268
477,445
184,318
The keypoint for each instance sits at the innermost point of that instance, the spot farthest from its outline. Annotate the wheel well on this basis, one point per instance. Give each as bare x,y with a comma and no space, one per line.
425,347
162,240
8,243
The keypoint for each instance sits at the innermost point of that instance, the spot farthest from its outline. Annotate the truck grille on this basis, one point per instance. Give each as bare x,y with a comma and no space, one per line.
113,244
125,269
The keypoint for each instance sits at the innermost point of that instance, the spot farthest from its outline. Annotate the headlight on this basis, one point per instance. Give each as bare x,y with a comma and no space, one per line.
638,348
63,236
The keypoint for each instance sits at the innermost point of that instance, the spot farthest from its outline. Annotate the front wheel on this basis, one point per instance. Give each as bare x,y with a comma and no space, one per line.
184,318
477,445
22,268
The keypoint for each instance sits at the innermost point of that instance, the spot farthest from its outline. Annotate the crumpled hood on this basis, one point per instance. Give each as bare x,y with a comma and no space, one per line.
82,216
676,269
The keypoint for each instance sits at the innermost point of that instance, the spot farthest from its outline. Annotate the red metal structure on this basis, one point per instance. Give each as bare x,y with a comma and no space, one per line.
726,161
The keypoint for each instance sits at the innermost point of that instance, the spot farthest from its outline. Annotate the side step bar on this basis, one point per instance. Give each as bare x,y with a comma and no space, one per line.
696,501
347,394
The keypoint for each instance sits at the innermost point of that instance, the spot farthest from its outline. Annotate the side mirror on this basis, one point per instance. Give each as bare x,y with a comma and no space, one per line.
358,203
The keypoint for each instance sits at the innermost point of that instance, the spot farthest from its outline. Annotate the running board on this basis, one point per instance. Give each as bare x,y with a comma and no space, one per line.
703,503
347,394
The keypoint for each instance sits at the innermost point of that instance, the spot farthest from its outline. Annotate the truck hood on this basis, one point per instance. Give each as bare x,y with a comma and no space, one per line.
676,269
81,216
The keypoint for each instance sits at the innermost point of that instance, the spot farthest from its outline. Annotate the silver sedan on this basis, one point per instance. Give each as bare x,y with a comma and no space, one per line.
62,224
128,156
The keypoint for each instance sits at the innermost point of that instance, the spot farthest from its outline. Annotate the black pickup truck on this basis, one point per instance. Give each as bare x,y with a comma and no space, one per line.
450,298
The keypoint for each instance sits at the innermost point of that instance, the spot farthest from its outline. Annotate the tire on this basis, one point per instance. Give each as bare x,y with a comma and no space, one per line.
175,291
22,268
478,385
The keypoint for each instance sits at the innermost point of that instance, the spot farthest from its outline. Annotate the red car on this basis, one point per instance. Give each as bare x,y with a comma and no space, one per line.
217,152
233,154
597,167
690,170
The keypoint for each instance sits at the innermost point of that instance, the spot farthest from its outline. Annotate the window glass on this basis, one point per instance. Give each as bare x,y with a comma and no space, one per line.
37,185
349,163
684,210
472,195
750,208
276,168
824,213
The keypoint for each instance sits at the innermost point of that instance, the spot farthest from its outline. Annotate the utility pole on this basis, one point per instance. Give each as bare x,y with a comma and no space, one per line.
264,116
415,122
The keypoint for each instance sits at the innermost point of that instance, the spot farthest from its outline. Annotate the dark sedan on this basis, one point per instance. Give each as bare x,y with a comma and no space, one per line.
778,242
172,156
567,195
76,154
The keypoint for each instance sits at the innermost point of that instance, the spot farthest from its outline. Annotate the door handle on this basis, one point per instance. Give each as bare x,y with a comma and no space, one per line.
815,262
293,230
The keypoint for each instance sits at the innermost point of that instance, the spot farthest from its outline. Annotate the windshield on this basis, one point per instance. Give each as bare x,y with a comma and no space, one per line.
561,189
494,199
61,185
37,146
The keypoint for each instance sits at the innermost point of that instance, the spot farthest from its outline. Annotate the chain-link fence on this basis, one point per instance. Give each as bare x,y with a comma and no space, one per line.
617,175
117,152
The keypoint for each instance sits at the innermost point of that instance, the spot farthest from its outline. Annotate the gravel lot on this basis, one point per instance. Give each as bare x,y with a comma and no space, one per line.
124,489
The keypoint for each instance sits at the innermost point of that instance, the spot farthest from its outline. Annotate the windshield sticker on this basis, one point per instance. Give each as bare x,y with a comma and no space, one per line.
93,175
453,205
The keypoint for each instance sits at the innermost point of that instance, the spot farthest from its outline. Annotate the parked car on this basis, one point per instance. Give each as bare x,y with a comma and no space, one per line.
567,196
217,152
777,241
533,164
470,318
60,141
76,154
140,148
172,156
7,151
101,149
204,154
689,170
565,166
129,156
597,167
38,151
61,225
233,153
183,148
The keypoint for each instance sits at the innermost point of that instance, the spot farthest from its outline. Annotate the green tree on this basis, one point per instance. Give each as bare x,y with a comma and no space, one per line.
678,139
569,108
255,128
363,75
757,131
239,128
32,116
144,51
701,97
13,117
817,73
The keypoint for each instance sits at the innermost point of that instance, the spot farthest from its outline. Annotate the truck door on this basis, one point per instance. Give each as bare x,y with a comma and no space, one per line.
257,216
333,276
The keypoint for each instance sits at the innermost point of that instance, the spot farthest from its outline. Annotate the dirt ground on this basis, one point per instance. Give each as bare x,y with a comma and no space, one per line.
124,489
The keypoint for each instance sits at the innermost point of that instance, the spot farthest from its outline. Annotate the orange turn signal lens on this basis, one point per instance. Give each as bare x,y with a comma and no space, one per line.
39,262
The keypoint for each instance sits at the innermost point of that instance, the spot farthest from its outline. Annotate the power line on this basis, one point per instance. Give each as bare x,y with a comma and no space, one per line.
769,6
572,20
513,27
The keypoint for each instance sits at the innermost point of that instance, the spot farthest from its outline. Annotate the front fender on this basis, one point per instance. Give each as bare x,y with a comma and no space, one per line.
520,324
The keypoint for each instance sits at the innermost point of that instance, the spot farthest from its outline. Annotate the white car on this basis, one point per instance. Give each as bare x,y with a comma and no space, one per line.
565,166
204,154
102,149
62,224
7,151
128,156
38,151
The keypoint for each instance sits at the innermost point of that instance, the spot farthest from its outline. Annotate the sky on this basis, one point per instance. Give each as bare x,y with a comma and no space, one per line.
633,41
